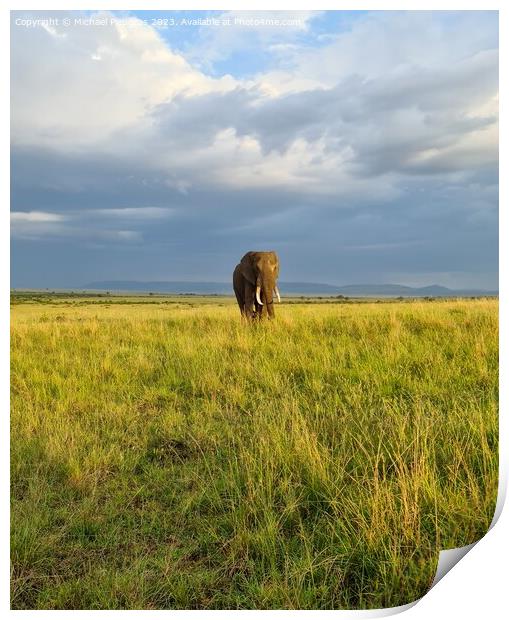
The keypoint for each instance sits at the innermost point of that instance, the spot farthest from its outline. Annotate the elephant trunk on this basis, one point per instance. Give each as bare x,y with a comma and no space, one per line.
268,297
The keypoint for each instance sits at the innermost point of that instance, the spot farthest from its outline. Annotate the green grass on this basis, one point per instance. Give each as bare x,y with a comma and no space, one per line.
169,456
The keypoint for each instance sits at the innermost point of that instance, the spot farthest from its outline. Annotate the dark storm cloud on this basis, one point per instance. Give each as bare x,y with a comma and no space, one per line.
206,230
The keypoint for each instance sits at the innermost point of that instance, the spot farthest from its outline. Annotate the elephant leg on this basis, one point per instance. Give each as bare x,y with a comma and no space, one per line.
249,300
240,300
238,287
258,310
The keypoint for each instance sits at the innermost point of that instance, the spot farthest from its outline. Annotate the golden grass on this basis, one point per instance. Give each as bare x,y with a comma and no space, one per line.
165,455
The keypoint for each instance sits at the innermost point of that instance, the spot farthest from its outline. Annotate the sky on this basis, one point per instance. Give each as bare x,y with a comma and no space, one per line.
361,146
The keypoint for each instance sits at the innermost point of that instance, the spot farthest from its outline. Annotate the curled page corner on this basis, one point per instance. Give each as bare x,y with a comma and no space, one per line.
448,558
387,611
378,613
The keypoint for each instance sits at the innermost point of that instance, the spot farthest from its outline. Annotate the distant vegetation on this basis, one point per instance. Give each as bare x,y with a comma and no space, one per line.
287,288
165,455
87,298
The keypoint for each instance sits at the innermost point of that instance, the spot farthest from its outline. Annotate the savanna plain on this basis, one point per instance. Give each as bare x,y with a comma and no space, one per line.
166,455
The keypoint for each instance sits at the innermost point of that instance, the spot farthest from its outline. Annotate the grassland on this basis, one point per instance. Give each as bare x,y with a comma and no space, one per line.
164,455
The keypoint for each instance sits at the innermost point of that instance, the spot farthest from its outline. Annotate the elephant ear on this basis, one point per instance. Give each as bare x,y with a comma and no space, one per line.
247,268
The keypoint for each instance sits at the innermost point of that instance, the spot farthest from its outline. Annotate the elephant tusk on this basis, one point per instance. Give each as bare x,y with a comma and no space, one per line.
276,290
258,288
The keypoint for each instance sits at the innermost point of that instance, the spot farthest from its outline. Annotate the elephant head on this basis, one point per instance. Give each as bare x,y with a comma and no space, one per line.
262,270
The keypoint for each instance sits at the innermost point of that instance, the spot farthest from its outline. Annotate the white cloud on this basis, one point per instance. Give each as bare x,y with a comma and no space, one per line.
36,224
305,167
65,100
82,224
49,29
36,216
386,44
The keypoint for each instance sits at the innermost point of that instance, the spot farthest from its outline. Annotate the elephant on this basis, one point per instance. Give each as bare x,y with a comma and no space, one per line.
255,282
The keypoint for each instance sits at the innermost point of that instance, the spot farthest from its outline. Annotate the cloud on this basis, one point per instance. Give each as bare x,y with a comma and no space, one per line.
148,103
144,213
351,138
36,224
36,216
385,44
248,33
93,81
416,122
82,225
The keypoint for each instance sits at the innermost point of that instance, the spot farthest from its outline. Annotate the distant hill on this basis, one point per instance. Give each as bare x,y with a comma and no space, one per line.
288,288
204,288
399,290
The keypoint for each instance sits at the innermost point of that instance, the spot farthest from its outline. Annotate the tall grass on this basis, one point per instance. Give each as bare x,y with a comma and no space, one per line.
173,457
